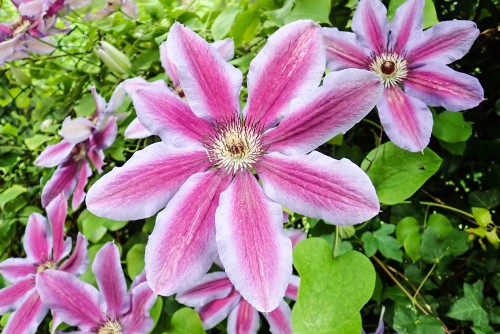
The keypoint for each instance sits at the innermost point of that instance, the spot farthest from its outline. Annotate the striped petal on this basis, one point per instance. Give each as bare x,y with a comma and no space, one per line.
406,25
318,186
216,311
243,319
15,269
145,183
280,320
135,130
211,85
138,320
78,262
406,120
291,64
82,178
439,85
110,279
370,25
27,318
210,287
343,50
62,181
182,247
255,252
37,239
56,213
54,155
12,296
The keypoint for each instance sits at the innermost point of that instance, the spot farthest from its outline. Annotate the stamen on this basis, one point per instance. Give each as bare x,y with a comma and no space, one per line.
234,145
79,151
391,67
110,327
46,265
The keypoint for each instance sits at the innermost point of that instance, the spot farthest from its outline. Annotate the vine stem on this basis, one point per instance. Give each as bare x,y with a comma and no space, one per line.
425,279
336,242
443,206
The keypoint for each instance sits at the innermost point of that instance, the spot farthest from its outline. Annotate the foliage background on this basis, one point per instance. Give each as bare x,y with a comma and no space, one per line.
435,243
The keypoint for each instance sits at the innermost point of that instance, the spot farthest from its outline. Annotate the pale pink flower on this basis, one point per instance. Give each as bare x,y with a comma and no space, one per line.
112,310
202,171
401,53
45,247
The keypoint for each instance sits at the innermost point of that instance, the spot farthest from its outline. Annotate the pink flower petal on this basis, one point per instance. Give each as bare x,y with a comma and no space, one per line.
182,247
291,64
78,262
145,183
137,320
12,296
99,101
165,114
443,43
37,239
168,65
217,310
225,48
97,157
77,130
280,320
344,99
27,317
370,25
343,50
79,194
210,287
407,24
62,181
76,303
211,85
439,85
56,213
15,269
406,120
243,319
104,137
111,280
293,288
296,235
318,186
251,243
135,130
141,278
54,155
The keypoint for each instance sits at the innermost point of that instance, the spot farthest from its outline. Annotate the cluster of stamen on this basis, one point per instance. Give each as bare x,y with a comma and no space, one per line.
110,327
79,151
21,26
391,67
46,265
234,145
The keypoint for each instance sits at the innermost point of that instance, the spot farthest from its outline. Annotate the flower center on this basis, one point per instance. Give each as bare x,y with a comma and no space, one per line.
110,327
46,265
21,27
391,67
234,145
79,151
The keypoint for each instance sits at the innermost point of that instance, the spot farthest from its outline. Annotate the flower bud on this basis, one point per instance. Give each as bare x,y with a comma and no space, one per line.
117,62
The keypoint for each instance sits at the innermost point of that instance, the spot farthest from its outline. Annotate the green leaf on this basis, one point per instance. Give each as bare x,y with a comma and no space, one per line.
406,226
407,320
451,127
435,247
88,276
380,239
186,320
397,174
325,279
482,216
245,27
135,260
430,16
454,148
35,141
10,194
155,311
317,10
469,307
488,199
440,224
86,106
412,246
222,24
94,228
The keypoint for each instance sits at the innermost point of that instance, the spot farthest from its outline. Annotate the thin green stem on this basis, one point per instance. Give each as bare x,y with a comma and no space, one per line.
443,206
425,280
366,120
336,242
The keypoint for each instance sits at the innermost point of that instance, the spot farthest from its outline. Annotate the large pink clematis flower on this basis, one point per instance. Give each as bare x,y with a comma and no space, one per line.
83,139
113,310
402,54
202,171
45,249
224,47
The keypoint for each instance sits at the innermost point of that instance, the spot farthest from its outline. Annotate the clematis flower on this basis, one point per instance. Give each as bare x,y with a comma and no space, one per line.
45,247
215,298
224,47
84,141
404,55
202,171
113,310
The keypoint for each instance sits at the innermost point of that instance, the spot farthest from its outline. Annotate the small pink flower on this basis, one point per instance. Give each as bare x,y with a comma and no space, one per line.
402,54
113,310
202,172
46,247
83,140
